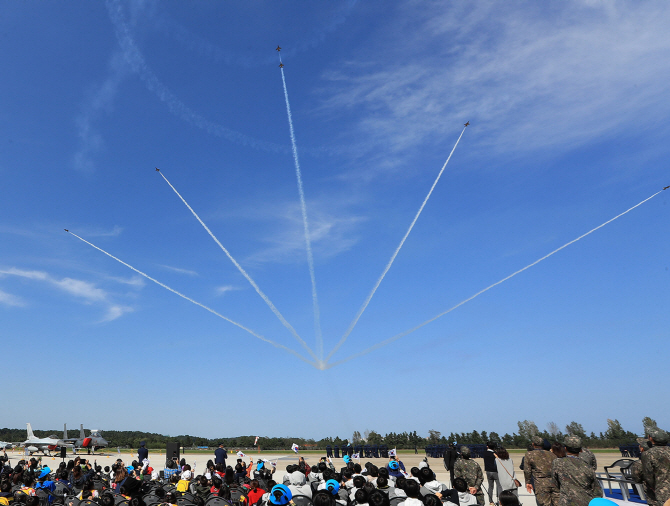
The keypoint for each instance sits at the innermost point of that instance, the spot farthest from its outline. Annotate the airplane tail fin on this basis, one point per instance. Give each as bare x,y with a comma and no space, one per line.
65,431
30,431
82,435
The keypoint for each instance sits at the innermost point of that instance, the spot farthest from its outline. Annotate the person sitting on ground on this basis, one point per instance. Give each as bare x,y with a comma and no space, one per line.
396,467
431,500
202,487
360,497
280,495
379,498
216,485
255,493
28,487
400,487
465,498
184,482
333,486
412,489
357,484
383,485
428,481
298,486
373,474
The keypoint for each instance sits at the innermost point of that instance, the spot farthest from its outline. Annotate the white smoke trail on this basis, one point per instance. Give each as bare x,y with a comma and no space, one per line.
395,254
137,63
262,338
244,273
303,208
403,334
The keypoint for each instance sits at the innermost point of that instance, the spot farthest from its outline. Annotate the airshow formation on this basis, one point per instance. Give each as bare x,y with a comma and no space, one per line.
316,357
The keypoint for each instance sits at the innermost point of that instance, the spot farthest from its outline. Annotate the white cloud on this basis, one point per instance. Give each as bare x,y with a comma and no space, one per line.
180,270
84,290
135,281
528,76
11,300
331,232
221,290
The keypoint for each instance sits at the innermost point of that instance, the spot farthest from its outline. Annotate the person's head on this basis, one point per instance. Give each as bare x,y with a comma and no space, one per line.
359,481
573,445
537,441
171,498
412,489
210,464
174,479
198,501
431,500
382,482
76,472
216,482
361,496
333,486
659,437
182,462
502,453
414,471
378,498
459,484
384,472
357,468
32,501
558,449
202,480
219,468
465,452
186,475
323,498
29,479
254,485
106,500
400,482
425,475
280,495
322,467
507,498
491,445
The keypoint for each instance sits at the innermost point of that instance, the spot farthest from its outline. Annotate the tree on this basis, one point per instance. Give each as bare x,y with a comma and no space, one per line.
374,438
575,429
553,429
649,424
527,429
356,437
434,436
614,430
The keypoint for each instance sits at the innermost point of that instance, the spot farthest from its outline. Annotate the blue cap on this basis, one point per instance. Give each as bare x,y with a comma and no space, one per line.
347,459
332,486
130,469
601,501
44,472
259,466
280,495
394,465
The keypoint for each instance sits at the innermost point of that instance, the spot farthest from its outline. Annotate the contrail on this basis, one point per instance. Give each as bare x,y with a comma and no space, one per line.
244,273
403,334
262,338
303,208
395,254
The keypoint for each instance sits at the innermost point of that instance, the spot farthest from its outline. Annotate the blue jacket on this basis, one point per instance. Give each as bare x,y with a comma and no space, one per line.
220,456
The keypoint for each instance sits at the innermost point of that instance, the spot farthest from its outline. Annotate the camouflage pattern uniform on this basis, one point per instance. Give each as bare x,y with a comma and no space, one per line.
588,457
575,479
656,469
636,468
537,467
471,472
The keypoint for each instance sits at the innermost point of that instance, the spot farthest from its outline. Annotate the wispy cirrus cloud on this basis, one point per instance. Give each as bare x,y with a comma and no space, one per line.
221,290
86,291
11,300
179,270
332,231
528,76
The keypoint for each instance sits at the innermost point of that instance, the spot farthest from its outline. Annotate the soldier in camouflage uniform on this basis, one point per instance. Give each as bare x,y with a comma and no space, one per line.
537,472
587,456
575,479
471,472
656,468
636,467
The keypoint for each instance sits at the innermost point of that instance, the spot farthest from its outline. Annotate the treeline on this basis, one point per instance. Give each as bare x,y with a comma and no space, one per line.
614,436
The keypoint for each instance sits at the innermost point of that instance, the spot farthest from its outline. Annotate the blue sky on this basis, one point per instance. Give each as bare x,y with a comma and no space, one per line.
568,109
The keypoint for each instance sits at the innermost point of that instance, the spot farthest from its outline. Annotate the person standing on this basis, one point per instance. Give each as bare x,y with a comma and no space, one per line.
656,468
575,479
142,453
450,457
220,455
538,475
470,471
491,470
636,467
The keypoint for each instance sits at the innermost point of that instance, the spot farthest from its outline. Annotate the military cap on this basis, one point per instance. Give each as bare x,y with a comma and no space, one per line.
465,451
643,442
573,442
537,440
660,436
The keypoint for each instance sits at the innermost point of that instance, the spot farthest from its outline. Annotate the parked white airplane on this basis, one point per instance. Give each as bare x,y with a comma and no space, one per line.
45,445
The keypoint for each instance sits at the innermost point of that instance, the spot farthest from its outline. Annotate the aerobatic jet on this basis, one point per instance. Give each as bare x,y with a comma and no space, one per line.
45,444
278,49
467,124
91,442
281,65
